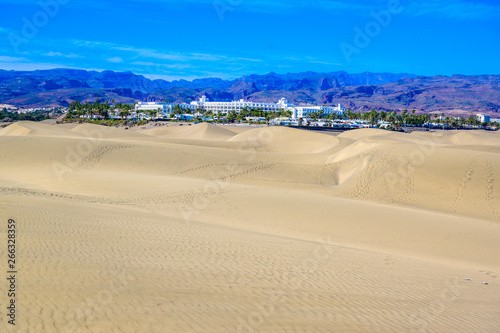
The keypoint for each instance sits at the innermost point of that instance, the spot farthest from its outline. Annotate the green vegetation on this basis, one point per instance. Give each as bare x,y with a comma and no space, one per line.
98,112
89,110
109,122
258,112
5,115
398,121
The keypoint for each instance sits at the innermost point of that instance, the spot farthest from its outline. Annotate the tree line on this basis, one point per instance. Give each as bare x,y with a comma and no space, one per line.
77,109
40,115
373,117
406,118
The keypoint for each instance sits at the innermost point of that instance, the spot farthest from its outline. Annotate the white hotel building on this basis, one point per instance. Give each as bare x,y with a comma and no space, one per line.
165,108
305,111
224,108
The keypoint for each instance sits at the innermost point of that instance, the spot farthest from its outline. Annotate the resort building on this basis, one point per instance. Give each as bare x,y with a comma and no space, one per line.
483,118
223,108
226,107
150,106
165,108
306,111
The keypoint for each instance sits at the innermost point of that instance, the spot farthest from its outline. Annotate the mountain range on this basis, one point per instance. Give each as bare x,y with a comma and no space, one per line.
359,92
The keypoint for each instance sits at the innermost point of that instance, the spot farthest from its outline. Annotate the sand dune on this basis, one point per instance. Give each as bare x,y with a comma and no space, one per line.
209,228
103,132
202,131
285,140
363,133
25,128
468,138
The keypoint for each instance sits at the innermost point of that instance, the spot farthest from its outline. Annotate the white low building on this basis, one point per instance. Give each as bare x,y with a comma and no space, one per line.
306,111
151,106
164,108
483,118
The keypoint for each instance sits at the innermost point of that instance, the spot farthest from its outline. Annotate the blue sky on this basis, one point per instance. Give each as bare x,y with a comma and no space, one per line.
230,38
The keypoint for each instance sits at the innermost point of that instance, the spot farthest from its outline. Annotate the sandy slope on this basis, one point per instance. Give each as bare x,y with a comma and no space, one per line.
219,229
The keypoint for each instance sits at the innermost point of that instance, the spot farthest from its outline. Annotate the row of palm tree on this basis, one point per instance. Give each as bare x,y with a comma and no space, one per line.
397,120
77,109
412,119
103,110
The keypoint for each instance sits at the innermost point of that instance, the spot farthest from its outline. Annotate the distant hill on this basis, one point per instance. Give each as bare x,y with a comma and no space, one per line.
438,93
363,91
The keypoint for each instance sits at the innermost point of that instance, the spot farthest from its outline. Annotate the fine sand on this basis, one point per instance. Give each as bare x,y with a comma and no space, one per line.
209,228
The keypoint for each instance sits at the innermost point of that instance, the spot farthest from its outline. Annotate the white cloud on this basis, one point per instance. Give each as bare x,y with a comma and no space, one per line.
11,59
59,54
162,55
115,60
325,63
28,66
458,9
152,66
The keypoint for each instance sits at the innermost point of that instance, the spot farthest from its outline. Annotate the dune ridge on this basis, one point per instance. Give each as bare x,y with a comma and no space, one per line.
202,131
